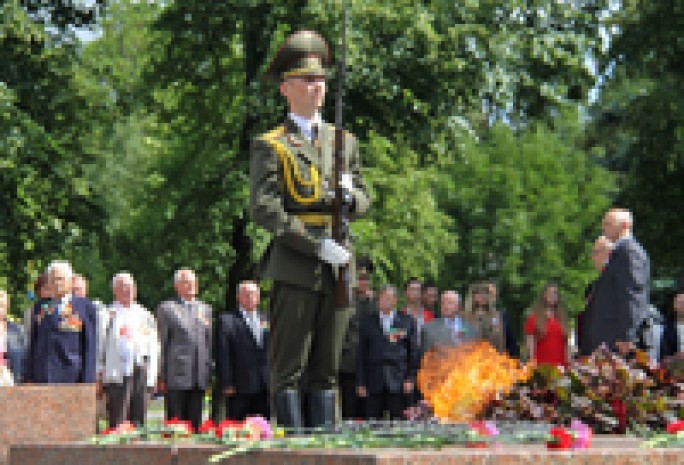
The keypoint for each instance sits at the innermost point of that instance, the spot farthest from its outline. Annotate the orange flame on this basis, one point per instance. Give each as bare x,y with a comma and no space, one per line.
459,381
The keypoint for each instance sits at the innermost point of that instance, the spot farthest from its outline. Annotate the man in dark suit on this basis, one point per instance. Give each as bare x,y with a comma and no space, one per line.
387,357
242,350
351,404
600,253
185,331
620,297
63,347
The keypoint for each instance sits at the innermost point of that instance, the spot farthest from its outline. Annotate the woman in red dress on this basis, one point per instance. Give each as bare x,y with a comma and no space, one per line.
547,328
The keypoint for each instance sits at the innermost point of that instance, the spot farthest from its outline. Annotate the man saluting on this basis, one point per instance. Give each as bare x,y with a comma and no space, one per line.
292,192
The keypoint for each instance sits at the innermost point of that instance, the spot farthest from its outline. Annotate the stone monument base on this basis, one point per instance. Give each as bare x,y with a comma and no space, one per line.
605,451
45,414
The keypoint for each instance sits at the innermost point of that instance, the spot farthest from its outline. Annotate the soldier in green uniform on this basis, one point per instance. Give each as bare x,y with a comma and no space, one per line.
291,195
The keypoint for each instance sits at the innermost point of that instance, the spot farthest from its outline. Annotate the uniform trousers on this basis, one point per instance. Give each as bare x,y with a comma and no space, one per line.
306,336
128,401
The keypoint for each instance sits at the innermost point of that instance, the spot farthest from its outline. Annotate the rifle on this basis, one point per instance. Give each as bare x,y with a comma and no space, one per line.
340,217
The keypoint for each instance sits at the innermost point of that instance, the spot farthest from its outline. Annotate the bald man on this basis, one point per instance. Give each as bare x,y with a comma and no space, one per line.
620,297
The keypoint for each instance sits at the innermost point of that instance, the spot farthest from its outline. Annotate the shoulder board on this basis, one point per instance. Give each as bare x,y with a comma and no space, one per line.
273,133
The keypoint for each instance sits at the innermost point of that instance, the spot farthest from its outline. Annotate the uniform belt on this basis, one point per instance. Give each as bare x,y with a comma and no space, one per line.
315,219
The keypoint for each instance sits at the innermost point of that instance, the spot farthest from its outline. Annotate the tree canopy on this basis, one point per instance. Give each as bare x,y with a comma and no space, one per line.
494,134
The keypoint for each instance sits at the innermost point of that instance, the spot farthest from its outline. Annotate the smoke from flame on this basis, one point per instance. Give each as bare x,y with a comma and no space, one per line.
459,381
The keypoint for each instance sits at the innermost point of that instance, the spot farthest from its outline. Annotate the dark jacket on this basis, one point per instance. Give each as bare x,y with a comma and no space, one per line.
63,347
350,344
387,361
241,362
619,300
512,347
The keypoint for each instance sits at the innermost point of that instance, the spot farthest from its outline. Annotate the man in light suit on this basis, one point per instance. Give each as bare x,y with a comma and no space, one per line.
451,329
63,347
620,297
185,332
242,350
128,355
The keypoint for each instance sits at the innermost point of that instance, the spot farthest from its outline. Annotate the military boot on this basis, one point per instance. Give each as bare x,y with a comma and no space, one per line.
322,408
289,410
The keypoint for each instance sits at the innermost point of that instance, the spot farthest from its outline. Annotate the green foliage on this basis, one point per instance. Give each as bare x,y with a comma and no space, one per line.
405,234
639,124
527,207
476,168
47,209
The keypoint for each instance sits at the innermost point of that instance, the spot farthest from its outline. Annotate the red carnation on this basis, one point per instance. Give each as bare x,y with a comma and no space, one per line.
675,427
560,439
207,427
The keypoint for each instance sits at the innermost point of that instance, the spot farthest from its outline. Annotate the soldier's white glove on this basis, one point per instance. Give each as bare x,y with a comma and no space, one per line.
346,181
333,253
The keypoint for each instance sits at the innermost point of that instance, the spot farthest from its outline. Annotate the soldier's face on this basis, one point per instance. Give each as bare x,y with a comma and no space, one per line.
304,94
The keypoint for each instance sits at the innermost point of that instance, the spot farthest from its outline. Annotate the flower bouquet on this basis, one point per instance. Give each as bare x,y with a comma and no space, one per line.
611,393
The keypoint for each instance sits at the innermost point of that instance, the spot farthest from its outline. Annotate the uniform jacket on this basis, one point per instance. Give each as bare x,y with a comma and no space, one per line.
145,339
436,333
185,335
620,298
386,360
63,347
242,362
292,256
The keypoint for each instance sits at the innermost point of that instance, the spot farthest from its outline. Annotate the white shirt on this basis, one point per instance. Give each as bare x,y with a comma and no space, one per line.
61,303
305,124
454,324
128,340
252,319
386,321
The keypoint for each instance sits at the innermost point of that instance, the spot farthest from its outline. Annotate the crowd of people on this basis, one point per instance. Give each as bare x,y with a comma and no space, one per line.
130,352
